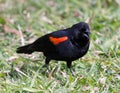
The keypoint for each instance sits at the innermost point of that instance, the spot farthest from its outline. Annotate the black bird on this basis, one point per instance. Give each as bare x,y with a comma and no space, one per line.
63,45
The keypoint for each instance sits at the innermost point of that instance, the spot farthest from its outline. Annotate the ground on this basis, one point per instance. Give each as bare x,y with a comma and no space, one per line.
23,21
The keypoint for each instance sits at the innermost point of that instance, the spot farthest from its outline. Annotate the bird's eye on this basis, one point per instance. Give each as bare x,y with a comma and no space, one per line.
83,29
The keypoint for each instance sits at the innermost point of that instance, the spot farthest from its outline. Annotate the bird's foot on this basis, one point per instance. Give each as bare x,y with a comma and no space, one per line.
71,71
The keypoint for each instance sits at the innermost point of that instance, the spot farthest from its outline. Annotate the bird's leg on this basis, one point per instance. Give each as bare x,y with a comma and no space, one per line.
70,68
47,60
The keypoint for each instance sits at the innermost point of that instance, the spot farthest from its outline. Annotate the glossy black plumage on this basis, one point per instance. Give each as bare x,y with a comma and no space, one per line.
75,45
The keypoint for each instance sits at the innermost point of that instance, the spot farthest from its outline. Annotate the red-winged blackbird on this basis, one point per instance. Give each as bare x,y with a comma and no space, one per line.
64,45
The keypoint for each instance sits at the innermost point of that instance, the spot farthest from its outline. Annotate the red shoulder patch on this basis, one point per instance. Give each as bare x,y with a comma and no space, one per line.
58,40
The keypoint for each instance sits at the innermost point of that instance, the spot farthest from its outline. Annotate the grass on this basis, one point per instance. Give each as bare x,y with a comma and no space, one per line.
96,72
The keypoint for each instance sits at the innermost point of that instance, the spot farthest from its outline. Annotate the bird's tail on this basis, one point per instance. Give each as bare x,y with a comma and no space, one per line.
27,49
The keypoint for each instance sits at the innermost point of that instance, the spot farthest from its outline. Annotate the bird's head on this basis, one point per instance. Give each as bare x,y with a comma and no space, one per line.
81,31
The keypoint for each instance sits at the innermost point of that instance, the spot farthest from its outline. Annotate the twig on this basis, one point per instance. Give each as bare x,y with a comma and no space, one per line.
21,35
19,71
90,18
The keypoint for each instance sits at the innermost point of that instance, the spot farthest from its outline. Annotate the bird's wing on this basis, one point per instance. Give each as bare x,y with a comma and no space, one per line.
62,44
55,42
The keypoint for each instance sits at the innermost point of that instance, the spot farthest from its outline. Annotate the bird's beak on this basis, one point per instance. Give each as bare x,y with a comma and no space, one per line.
88,31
